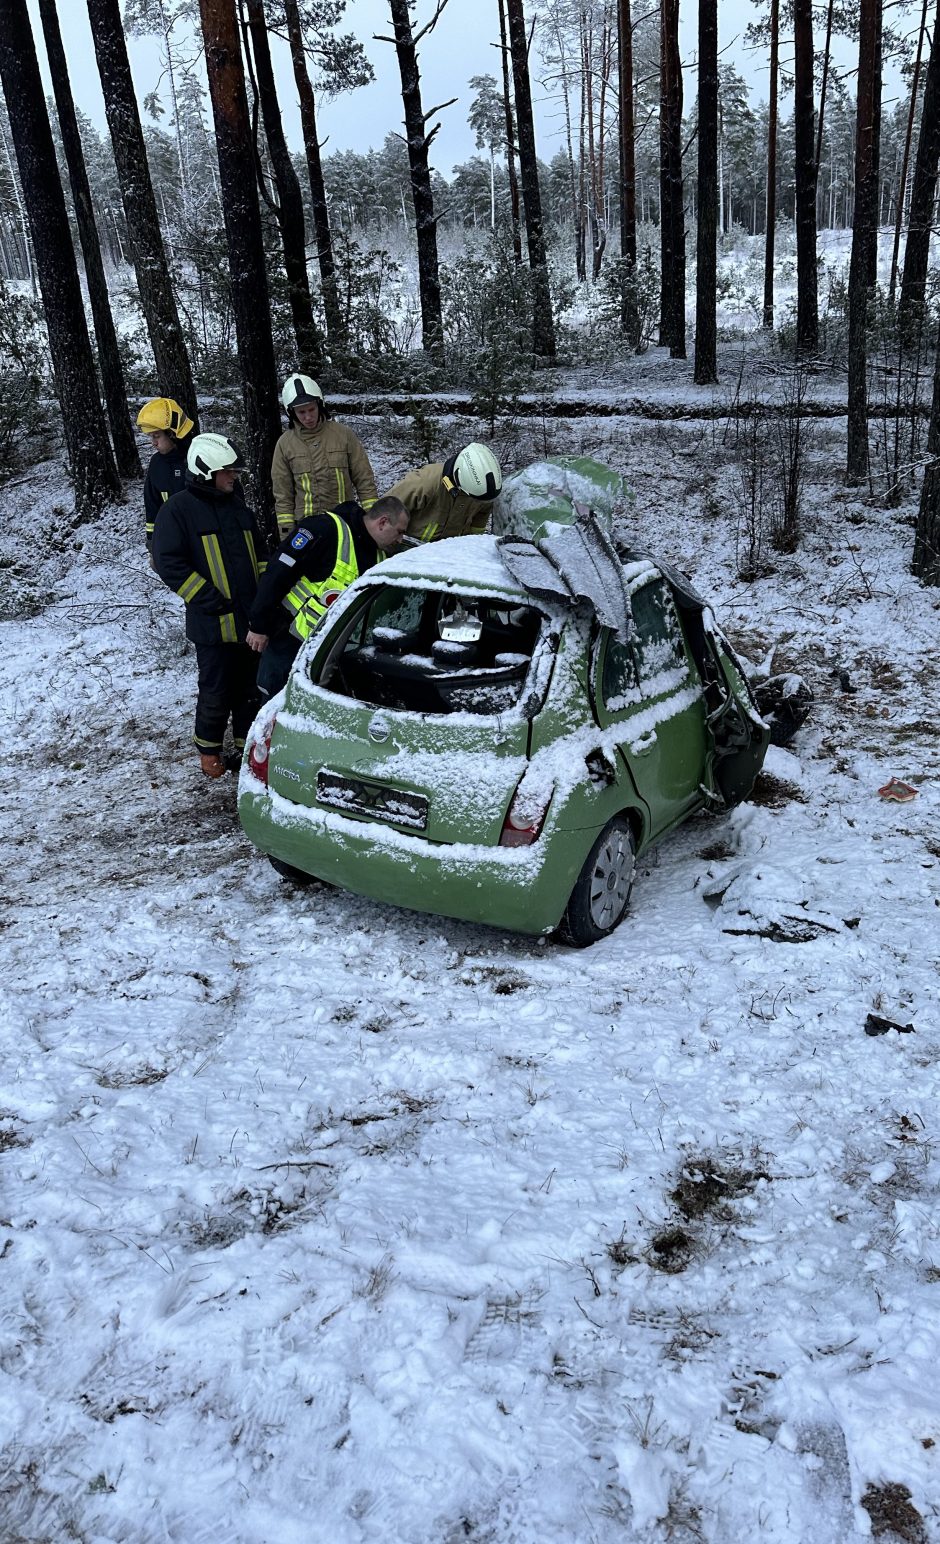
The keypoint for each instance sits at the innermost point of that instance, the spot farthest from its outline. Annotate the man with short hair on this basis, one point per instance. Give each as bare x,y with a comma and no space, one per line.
309,571
206,548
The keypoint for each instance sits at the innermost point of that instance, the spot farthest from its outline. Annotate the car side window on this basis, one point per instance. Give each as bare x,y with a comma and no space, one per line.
618,684
657,633
397,608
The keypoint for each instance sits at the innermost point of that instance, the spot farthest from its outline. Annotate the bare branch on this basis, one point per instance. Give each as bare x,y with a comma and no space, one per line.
429,26
432,110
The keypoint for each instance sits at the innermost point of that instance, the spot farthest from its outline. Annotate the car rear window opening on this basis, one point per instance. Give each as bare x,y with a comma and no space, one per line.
432,651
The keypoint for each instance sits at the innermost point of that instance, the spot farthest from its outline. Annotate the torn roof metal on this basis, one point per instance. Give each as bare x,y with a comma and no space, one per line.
575,563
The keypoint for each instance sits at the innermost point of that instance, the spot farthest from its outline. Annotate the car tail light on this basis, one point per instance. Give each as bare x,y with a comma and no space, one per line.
258,752
524,821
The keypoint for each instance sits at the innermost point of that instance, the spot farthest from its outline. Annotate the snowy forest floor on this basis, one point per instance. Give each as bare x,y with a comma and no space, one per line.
324,1221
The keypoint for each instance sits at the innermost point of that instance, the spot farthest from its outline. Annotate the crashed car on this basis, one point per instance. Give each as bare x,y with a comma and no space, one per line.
495,730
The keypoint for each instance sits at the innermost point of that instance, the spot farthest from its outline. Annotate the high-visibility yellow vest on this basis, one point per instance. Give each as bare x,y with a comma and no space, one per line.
310,599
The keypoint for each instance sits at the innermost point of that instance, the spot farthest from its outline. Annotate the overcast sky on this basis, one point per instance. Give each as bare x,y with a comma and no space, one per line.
460,47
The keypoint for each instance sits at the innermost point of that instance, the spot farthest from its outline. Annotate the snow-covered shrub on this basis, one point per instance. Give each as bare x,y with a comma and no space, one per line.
381,319
487,306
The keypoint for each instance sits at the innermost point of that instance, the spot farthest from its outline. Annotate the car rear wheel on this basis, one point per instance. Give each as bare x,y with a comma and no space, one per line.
599,900
287,871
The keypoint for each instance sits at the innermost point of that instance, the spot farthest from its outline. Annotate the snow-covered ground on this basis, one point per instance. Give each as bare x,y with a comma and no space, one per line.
323,1221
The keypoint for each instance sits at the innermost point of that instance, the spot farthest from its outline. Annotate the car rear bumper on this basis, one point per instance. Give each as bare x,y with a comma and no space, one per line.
505,887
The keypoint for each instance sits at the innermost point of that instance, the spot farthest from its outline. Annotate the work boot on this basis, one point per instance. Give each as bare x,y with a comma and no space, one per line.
211,763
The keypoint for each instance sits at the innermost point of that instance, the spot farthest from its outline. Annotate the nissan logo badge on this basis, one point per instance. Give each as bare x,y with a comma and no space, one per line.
379,730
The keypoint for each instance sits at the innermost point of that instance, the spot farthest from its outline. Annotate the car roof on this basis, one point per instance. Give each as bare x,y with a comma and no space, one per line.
470,562
474,563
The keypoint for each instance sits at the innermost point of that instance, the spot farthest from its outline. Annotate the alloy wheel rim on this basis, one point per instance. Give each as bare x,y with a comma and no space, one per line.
611,880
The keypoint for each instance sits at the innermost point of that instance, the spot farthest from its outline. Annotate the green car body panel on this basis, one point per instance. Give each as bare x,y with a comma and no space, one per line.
597,730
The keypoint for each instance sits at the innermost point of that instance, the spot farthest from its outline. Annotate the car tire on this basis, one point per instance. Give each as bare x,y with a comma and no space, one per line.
287,871
598,903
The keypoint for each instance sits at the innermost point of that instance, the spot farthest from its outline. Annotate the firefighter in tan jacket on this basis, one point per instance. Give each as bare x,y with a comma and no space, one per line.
317,463
451,498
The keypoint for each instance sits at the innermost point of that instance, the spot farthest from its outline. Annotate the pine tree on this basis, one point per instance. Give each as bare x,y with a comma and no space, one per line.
245,248
157,299
335,329
807,314
486,119
926,562
629,314
543,323
109,356
511,148
770,218
862,265
706,364
672,206
89,453
912,307
289,209
419,139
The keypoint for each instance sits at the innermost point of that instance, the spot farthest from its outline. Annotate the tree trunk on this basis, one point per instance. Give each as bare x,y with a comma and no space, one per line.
109,357
26,257
629,313
771,220
706,361
666,280
822,91
335,326
290,204
912,308
580,240
905,161
807,319
140,210
245,249
926,562
587,77
419,142
511,138
864,232
89,453
543,323
672,309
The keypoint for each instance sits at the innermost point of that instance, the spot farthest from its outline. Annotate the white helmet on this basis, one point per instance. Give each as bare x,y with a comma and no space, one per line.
299,389
211,453
475,471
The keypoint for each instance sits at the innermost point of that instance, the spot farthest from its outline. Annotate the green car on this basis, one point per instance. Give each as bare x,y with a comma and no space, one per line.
464,741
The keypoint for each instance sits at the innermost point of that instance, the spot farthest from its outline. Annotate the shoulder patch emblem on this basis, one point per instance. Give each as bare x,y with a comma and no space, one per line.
300,541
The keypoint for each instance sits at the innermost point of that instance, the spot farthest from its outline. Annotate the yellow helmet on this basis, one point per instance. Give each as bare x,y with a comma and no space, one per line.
163,413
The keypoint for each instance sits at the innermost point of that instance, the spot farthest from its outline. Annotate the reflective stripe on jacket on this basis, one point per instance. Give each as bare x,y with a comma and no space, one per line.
206,548
166,475
315,469
437,510
310,599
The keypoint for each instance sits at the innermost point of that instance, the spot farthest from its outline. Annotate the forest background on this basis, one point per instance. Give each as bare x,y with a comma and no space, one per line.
378,274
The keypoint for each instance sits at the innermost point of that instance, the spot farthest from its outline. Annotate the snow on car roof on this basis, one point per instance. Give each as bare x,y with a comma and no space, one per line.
465,560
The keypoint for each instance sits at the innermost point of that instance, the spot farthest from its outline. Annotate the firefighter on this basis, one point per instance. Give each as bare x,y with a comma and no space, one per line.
206,547
310,569
169,429
317,463
451,498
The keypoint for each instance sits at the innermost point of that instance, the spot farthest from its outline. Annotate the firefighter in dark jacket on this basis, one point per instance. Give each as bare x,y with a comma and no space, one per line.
169,429
307,573
206,547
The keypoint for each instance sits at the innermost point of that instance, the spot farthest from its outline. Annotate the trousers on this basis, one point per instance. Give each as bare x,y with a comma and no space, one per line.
228,688
276,661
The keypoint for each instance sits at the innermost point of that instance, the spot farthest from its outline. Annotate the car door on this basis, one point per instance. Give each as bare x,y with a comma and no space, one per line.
649,691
